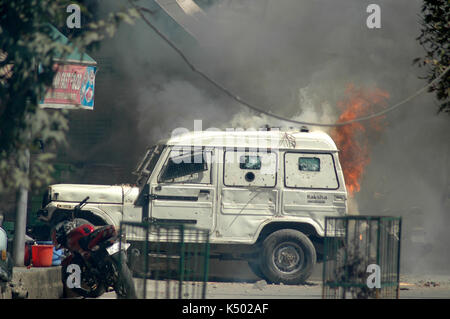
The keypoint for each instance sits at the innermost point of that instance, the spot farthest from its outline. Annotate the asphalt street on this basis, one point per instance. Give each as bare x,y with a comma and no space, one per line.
226,283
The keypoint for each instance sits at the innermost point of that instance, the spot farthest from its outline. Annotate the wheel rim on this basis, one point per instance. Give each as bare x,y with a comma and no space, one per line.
288,257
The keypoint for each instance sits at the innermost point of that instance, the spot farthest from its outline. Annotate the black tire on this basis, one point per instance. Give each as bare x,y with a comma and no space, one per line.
255,267
91,287
124,285
288,257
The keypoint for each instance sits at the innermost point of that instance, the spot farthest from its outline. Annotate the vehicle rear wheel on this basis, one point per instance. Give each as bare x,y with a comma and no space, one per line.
90,285
124,285
288,257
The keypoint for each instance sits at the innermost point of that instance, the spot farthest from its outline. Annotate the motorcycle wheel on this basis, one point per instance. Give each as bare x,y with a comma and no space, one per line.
124,285
90,286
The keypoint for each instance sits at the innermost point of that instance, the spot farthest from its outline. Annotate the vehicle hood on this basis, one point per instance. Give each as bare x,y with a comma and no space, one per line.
115,194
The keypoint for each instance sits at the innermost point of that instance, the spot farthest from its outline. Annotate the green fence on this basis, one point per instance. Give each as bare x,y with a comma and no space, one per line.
168,261
361,257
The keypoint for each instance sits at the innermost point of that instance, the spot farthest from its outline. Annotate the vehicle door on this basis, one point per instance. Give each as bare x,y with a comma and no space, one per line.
311,185
183,191
249,193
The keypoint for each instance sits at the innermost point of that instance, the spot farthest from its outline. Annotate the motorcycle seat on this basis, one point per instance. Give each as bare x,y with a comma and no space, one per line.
99,235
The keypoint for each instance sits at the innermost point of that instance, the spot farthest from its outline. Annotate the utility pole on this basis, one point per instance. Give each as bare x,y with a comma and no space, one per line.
21,219
20,225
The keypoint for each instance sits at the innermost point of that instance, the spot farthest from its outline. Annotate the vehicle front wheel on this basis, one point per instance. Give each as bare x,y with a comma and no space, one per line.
288,257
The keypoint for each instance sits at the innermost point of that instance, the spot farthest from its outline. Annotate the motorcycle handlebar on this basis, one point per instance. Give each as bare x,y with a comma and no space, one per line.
82,203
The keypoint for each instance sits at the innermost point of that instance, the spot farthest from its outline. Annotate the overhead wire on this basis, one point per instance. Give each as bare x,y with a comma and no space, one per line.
270,114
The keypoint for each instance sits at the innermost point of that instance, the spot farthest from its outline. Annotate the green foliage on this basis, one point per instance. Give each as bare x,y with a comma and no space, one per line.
435,39
26,42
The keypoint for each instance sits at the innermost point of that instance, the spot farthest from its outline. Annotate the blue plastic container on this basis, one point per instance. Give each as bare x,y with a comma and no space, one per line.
57,256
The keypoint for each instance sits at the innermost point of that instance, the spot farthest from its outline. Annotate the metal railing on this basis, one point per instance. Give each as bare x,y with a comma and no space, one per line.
361,257
169,261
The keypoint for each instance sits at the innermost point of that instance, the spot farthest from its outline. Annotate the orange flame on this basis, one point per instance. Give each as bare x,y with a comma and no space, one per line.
353,139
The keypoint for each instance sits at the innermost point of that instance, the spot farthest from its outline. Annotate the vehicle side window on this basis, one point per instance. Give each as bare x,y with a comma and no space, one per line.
307,170
245,168
250,162
192,167
309,164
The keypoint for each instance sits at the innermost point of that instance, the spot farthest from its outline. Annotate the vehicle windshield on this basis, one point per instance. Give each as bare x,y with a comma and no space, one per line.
145,167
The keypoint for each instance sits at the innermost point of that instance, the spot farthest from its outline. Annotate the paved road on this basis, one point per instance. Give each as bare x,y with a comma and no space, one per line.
261,290
250,287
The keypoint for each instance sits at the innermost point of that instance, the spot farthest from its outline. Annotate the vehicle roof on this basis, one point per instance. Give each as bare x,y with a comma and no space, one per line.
274,139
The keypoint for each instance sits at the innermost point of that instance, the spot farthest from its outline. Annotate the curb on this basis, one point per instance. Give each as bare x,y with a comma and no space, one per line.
33,283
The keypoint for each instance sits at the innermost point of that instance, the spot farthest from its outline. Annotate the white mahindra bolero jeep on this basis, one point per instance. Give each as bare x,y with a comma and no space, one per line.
263,196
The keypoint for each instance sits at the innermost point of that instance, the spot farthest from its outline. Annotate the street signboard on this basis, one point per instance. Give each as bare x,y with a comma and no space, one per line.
74,82
73,87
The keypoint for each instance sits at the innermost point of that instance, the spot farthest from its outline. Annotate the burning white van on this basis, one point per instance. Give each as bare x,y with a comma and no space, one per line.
262,195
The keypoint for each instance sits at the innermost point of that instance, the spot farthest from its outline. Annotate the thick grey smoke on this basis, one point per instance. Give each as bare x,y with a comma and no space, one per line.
294,58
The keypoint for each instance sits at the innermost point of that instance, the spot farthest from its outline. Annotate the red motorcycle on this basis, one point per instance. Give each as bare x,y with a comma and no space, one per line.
96,260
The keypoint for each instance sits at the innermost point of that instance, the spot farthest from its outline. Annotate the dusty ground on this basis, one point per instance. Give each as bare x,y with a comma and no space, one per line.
226,283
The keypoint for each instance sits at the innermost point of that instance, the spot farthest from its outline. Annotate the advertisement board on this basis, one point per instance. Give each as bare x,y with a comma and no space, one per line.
73,87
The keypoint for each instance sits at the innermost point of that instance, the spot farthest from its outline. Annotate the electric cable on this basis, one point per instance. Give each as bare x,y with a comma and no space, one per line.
279,117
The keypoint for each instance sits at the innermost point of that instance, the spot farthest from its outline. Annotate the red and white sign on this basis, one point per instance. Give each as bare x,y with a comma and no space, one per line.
73,87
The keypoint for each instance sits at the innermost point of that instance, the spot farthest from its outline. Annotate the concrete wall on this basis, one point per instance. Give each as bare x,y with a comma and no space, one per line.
33,283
